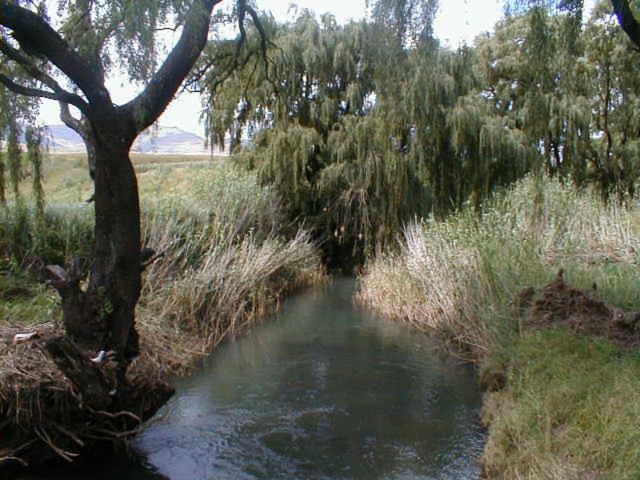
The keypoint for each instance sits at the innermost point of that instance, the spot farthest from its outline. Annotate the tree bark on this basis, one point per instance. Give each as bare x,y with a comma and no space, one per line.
116,273
103,316
627,20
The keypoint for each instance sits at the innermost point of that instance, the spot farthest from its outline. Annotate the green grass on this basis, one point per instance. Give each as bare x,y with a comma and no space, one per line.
67,180
570,404
25,302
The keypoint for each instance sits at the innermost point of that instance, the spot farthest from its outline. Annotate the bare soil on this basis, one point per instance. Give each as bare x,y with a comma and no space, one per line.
560,303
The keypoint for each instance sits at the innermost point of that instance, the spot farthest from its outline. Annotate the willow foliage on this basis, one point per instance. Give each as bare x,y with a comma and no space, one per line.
17,115
14,157
33,138
578,105
3,195
361,127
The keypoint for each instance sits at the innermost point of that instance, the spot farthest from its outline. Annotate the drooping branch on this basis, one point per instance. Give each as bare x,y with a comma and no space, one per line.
82,128
627,20
199,74
152,101
264,38
32,29
235,61
25,62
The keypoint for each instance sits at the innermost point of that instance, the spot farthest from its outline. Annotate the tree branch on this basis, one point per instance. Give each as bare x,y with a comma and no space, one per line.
82,128
195,78
627,20
264,41
30,28
31,92
25,62
154,99
68,119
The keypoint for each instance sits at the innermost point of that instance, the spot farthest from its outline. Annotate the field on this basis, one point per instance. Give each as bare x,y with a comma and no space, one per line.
66,176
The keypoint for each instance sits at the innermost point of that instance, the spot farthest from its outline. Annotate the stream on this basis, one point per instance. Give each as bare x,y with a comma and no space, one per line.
324,391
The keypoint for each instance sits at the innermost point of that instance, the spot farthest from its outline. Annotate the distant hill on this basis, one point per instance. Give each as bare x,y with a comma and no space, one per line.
159,140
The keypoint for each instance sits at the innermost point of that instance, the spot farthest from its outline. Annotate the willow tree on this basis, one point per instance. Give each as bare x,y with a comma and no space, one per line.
535,85
611,67
317,74
364,126
69,61
34,141
17,113
627,12
576,101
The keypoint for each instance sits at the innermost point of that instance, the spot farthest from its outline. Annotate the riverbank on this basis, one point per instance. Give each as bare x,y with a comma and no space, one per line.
562,390
225,259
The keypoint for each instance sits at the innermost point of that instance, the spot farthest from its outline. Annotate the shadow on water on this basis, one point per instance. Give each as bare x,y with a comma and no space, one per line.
326,391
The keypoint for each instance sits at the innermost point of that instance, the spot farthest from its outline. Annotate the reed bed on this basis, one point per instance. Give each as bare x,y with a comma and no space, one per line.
226,262
459,276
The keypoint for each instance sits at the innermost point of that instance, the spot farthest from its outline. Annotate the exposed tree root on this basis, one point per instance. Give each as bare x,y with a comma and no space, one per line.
56,402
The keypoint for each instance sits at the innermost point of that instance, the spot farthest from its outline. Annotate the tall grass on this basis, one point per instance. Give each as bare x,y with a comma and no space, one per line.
569,410
459,276
226,256
225,262
64,230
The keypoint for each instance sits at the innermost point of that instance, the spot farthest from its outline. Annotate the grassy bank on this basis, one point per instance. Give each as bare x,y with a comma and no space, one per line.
227,258
564,404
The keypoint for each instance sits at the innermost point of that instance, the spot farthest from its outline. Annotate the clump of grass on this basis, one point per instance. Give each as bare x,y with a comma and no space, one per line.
24,302
570,406
225,263
571,410
63,230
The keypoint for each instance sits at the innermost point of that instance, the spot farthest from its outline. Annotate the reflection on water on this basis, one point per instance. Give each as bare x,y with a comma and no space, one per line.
326,391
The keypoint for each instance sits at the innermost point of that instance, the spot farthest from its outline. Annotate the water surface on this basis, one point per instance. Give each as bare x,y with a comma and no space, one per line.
325,391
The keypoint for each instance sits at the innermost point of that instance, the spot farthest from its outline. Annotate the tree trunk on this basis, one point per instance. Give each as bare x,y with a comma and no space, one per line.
103,316
116,272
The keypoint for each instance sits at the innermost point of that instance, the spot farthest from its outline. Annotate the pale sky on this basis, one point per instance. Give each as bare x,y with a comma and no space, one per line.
457,21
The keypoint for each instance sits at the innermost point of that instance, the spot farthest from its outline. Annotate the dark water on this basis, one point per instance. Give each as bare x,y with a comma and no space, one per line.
326,391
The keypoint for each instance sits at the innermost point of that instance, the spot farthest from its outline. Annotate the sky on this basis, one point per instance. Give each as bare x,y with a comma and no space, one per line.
458,21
